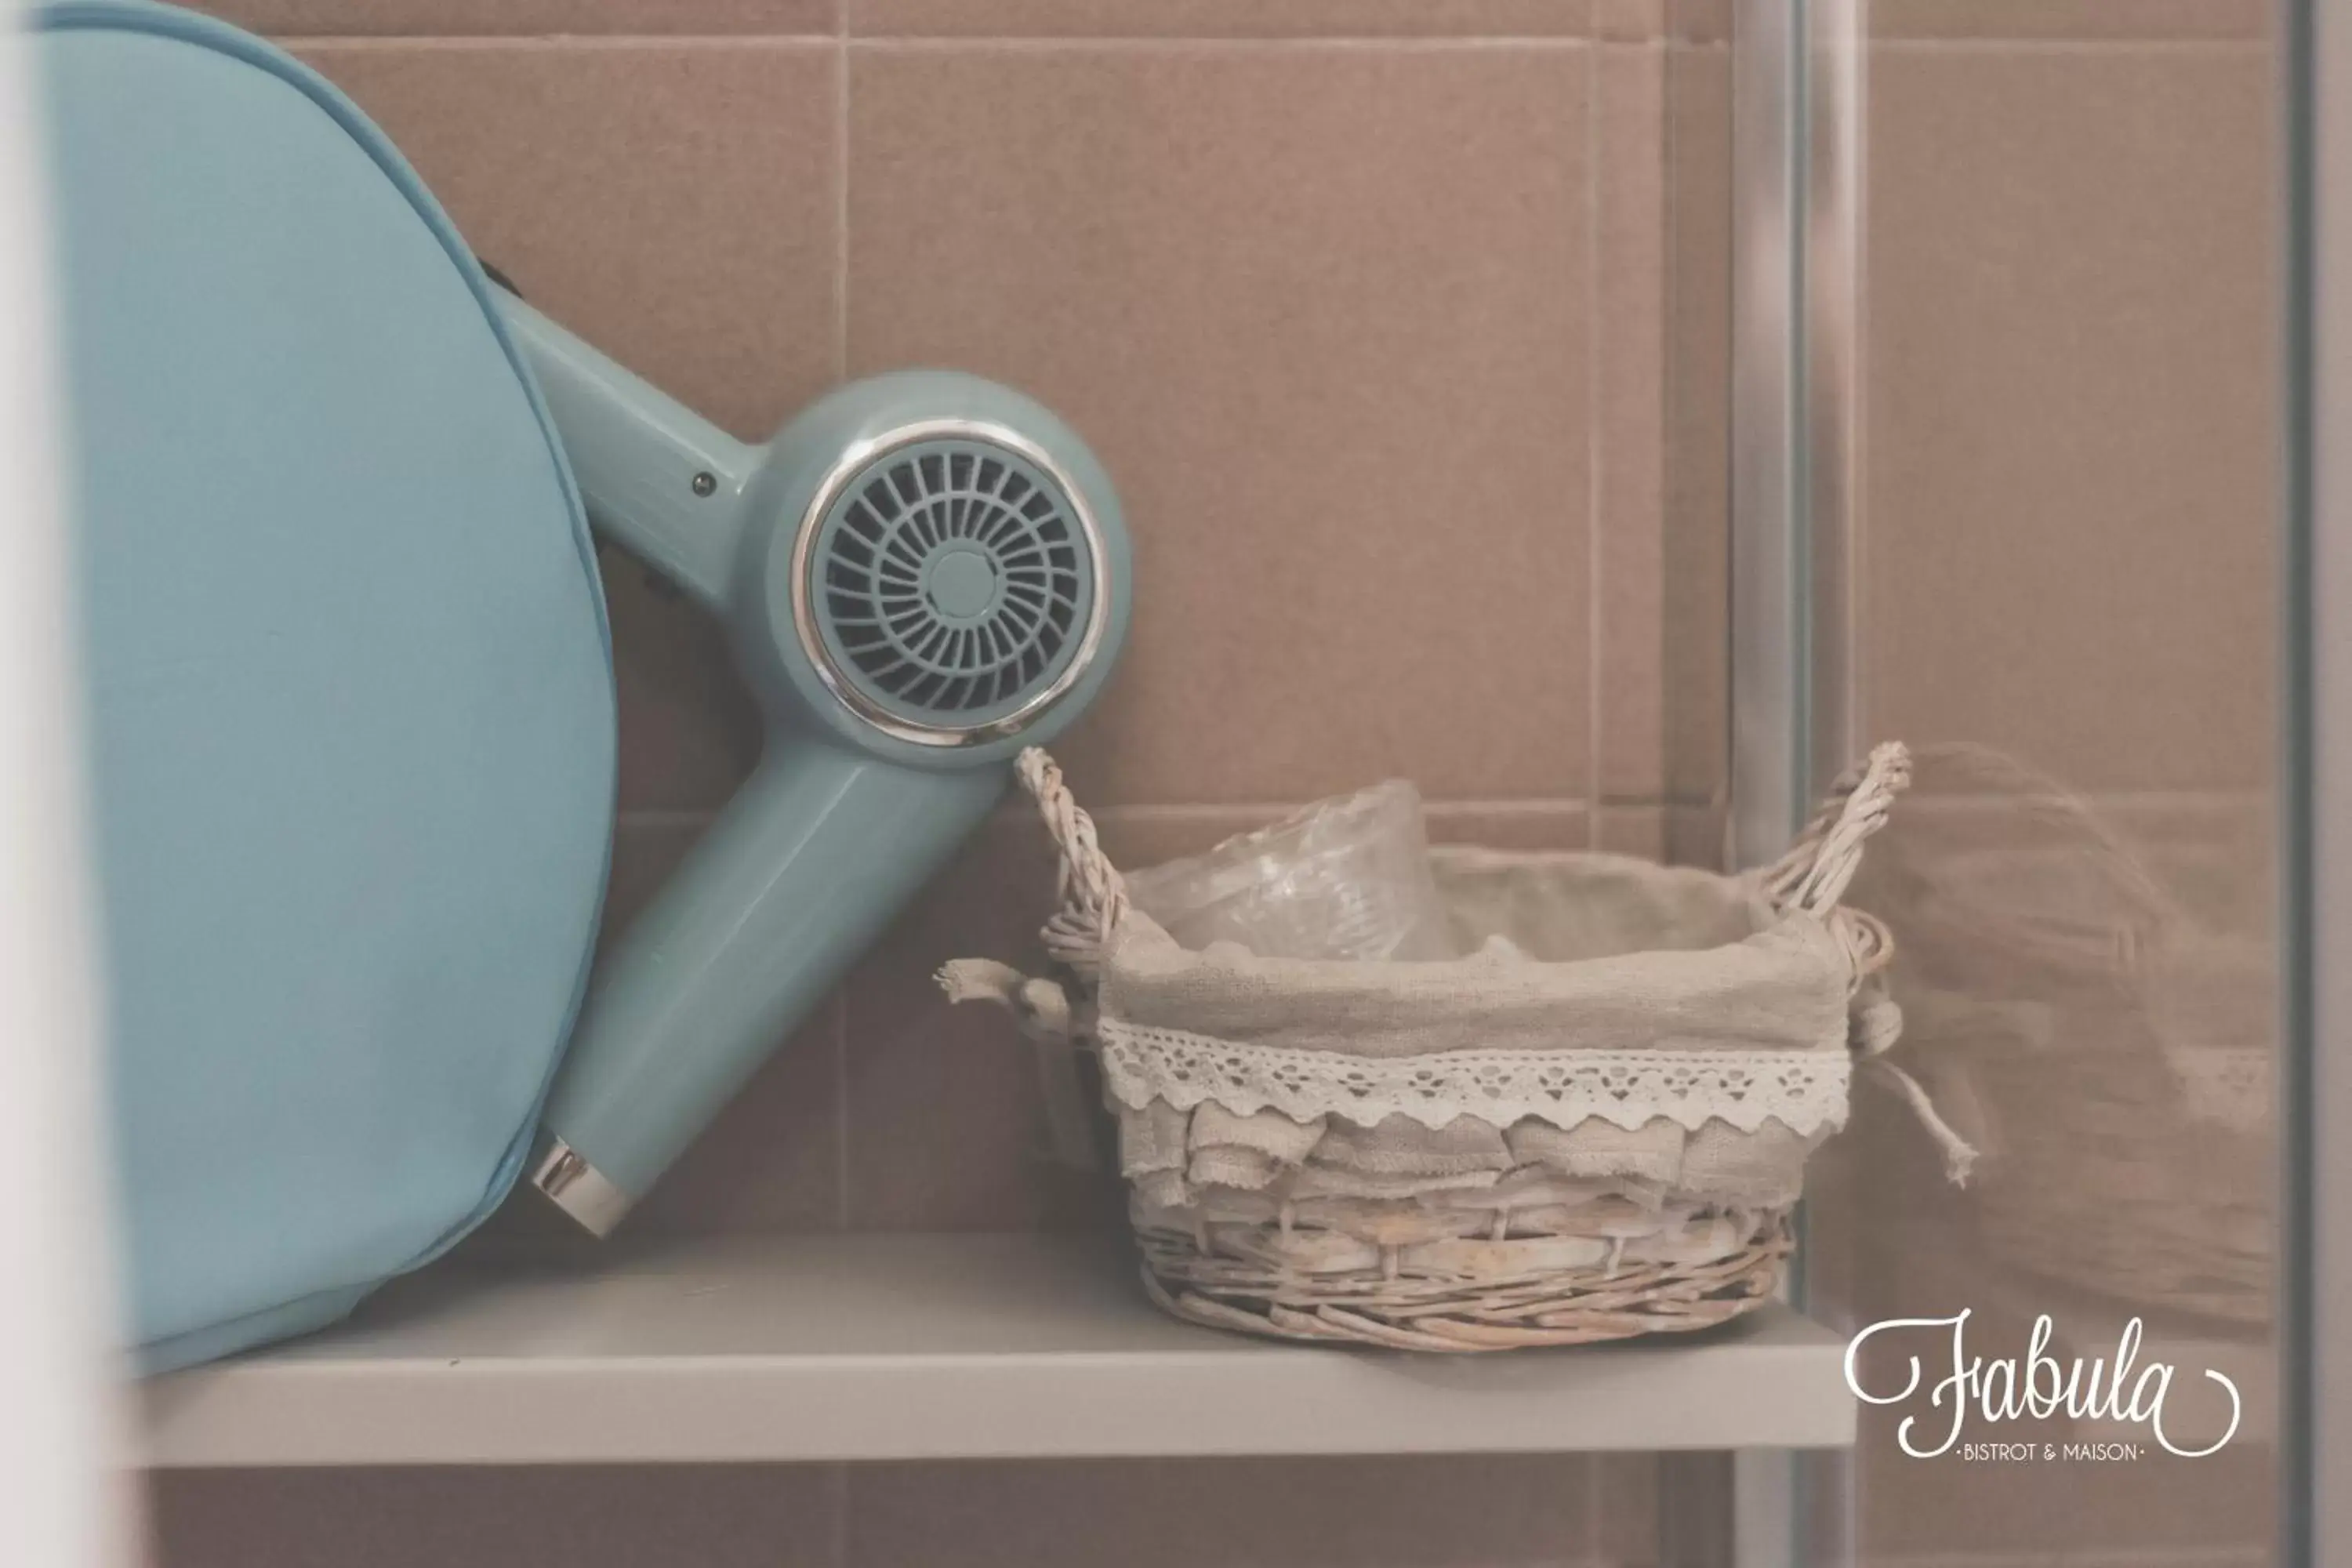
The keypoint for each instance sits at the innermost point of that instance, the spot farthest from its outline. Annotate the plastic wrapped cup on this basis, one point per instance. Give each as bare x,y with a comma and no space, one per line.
1344,877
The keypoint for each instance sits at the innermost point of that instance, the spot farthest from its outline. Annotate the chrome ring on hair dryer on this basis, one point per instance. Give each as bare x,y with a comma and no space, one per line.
920,574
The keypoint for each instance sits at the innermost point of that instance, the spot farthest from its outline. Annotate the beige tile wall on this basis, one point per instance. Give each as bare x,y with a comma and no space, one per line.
1380,313
2073,428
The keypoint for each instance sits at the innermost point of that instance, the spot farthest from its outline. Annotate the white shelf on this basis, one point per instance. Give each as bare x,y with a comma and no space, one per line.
901,1347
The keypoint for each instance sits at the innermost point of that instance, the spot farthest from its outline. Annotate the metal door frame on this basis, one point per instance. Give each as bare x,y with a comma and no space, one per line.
1798,82
2315,1115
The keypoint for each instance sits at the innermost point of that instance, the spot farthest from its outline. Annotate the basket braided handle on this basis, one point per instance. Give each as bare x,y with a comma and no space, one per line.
1092,893
1819,868
1813,876
1093,899
1820,865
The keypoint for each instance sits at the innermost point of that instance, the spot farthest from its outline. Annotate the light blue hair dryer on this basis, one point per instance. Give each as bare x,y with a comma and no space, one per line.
920,574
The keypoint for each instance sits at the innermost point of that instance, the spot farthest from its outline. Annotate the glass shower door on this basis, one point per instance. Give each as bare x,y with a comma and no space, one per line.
2040,487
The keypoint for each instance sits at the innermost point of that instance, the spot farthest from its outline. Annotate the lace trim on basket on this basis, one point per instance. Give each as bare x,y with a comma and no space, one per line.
1805,1090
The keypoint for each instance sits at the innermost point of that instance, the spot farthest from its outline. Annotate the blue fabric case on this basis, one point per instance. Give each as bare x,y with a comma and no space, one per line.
350,728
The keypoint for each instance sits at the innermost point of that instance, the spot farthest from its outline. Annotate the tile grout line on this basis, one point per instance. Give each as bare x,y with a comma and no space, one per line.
1672,373
837,1490
1596,164
1854,541
1660,220
695,818
1527,806
1595,1499
841,199
451,42
1404,43
1338,43
843,1126
1332,43
2234,43
2090,1557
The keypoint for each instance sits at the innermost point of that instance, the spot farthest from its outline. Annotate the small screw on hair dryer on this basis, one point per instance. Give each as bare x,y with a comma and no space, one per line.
920,574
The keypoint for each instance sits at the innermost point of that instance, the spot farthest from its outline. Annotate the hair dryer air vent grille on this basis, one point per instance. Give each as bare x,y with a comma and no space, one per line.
952,584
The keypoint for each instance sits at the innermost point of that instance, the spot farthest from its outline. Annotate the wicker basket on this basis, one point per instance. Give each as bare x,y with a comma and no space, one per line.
1609,1140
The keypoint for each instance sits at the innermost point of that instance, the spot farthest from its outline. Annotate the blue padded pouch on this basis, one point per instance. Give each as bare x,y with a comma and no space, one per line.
351,712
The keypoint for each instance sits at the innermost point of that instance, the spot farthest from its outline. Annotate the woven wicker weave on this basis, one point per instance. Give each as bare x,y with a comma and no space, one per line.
1489,1294
1528,1257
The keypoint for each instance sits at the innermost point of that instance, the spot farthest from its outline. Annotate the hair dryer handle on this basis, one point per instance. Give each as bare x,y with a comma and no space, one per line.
666,482
795,880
